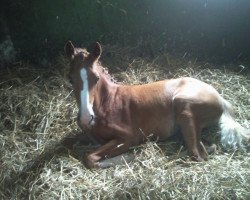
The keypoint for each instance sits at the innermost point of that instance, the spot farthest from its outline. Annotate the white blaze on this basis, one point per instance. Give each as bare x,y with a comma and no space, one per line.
86,109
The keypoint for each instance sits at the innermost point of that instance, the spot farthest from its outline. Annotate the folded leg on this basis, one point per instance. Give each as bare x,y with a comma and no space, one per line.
111,149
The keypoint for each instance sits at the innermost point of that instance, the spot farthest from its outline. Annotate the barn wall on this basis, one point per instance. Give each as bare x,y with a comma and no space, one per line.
203,28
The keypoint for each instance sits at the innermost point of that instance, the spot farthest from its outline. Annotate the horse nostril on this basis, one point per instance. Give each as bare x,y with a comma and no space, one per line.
92,118
84,121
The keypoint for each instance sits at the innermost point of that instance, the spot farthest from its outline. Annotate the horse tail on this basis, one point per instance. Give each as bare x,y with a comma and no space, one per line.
233,135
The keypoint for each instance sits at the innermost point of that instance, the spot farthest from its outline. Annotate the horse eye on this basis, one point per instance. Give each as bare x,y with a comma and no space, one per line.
97,77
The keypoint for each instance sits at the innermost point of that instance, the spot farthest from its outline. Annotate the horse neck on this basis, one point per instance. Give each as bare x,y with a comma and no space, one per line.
106,82
105,90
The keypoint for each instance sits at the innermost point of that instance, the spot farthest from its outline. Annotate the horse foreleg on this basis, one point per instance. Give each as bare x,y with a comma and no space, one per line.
112,148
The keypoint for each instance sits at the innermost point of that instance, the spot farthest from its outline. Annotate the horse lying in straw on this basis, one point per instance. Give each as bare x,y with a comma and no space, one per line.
118,117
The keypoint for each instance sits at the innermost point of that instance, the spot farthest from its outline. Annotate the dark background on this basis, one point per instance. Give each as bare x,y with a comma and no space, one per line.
214,30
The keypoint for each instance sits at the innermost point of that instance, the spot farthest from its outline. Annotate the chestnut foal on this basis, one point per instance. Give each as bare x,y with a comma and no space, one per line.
121,116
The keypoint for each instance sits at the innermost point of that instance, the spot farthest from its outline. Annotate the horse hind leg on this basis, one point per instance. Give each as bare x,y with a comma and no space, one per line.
191,135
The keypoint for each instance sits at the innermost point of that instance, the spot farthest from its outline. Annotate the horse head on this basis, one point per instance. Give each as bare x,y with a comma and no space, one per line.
84,77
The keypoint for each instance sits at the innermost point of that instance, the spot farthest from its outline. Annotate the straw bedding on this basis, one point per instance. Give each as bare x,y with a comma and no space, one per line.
37,110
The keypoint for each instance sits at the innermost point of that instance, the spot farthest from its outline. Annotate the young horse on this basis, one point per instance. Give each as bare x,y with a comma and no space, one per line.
121,116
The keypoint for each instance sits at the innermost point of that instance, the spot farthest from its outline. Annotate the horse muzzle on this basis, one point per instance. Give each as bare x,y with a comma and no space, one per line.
85,122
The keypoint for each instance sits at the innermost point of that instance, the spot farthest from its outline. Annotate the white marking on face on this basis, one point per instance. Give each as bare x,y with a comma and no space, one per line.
86,108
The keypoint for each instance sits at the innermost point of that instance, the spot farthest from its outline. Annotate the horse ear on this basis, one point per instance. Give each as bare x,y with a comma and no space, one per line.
97,51
69,50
